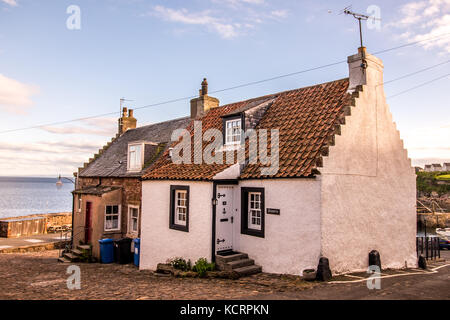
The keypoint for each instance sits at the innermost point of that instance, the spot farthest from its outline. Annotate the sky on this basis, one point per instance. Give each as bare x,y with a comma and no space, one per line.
62,60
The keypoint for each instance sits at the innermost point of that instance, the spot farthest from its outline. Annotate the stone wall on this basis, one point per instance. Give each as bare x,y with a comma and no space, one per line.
51,219
131,194
434,220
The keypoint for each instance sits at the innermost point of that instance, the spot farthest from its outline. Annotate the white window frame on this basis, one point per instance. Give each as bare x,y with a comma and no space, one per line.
119,215
177,219
230,142
253,208
130,224
80,202
141,157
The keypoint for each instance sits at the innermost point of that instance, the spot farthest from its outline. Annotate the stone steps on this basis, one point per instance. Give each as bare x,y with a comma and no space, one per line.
248,270
238,262
75,255
64,260
70,256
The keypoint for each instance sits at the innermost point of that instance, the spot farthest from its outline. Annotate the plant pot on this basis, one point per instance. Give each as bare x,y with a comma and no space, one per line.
309,274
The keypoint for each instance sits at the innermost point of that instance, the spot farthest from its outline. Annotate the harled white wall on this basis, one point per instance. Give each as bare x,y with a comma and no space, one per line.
292,239
158,242
368,189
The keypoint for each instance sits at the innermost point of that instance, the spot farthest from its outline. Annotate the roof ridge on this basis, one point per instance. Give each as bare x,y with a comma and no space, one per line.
162,122
282,92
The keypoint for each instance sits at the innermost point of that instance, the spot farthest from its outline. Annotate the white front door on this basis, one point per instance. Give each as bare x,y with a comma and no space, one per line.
224,218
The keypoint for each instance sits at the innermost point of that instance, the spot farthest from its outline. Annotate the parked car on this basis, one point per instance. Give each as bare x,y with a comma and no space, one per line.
444,243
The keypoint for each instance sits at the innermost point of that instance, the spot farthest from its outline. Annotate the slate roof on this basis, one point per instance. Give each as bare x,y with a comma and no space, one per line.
96,190
113,161
307,119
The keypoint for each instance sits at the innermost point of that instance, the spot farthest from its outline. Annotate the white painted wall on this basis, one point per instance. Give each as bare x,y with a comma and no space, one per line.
368,187
292,239
160,243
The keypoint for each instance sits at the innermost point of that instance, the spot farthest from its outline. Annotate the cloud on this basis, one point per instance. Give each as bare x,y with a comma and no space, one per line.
12,3
228,18
279,13
239,3
100,126
426,19
52,147
427,142
15,96
203,18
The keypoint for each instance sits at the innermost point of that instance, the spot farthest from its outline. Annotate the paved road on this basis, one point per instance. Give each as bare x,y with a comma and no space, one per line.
424,286
7,243
37,275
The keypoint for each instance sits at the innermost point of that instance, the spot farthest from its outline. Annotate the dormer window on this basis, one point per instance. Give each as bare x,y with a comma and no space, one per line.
135,157
233,130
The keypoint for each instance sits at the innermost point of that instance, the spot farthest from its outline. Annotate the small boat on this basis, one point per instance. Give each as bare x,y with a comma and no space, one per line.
443,232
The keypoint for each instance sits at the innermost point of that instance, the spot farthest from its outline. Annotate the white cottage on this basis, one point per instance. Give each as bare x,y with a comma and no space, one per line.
342,186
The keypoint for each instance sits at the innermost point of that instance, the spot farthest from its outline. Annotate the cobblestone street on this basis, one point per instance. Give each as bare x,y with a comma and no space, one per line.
37,275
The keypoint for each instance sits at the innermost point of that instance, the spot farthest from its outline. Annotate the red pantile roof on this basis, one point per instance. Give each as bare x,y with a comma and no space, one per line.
307,119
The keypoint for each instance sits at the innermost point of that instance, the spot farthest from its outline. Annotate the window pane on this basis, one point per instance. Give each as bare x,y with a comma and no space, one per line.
115,209
108,209
115,222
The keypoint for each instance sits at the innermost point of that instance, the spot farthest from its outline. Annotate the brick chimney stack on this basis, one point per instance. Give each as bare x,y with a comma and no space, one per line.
200,105
126,122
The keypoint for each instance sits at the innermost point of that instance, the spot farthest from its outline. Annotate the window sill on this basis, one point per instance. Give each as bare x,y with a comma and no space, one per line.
179,227
229,147
112,231
253,232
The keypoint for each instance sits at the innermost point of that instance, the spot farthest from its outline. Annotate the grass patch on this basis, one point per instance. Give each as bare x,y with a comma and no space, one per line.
445,177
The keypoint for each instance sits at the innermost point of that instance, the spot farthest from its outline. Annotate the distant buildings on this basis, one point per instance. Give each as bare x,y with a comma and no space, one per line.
435,167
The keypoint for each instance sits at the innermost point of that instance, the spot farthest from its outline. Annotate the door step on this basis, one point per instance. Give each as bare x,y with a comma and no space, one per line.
81,253
64,260
248,270
237,262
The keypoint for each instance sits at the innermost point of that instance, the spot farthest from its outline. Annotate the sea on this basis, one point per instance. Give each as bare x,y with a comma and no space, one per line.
21,196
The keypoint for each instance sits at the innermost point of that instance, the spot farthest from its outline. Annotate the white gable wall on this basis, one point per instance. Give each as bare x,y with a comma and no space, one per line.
158,241
368,190
292,239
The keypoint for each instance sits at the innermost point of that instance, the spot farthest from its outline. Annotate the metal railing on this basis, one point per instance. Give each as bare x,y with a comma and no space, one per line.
429,247
69,246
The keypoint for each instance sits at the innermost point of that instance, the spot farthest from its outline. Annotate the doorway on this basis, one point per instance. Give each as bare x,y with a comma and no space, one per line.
224,218
88,223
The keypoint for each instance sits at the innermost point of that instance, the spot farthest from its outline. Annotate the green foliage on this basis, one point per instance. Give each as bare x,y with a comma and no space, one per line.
202,266
445,177
427,182
181,264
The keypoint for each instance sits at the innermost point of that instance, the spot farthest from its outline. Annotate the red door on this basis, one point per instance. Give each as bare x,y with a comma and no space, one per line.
87,225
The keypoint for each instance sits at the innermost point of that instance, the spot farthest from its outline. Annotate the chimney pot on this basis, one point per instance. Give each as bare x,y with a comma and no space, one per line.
204,87
126,122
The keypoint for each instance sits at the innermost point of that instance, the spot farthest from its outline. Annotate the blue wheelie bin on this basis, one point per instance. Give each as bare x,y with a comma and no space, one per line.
137,249
106,250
